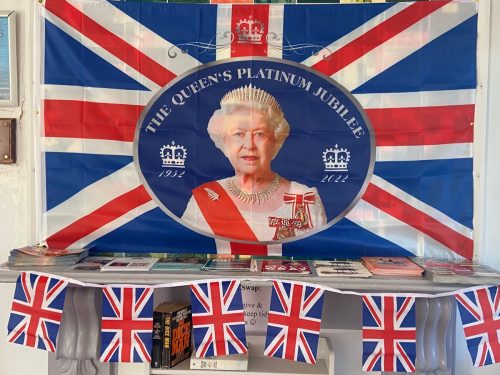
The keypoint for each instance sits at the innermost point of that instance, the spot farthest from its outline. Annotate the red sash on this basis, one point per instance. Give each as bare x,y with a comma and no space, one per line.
225,219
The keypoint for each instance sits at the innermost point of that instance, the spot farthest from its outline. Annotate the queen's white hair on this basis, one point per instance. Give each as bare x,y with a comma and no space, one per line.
275,118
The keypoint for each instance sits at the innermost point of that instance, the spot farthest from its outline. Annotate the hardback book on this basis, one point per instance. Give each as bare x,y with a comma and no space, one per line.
457,271
172,323
341,268
392,266
279,266
180,262
233,263
234,362
130,264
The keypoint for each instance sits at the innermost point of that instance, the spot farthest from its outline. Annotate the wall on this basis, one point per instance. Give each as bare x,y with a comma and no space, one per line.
17,182
16,191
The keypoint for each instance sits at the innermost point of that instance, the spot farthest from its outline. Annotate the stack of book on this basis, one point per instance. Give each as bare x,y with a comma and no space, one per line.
458,271
392,266
43,256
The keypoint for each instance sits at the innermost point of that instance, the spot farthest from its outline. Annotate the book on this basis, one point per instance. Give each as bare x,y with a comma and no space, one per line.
392,266
130,264
92,263
184,262
45,256
233,263
457,271
341,268
234,362
171,334
279,266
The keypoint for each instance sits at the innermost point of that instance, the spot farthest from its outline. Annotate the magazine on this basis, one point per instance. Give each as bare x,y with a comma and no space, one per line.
130,264
232,263
279,266
184,262
92,263
457,271
45,256
392,266
341,268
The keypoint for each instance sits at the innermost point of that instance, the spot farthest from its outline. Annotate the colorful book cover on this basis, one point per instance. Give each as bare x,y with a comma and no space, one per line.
391,266
184,262
298,267
228,264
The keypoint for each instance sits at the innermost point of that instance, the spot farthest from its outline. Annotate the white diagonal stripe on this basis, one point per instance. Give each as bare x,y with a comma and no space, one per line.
137,35
404,44
398,232
91,198
87,146
223,36
356,33
101,52
416,99
425,152
421,206
115,224
275,32
96,95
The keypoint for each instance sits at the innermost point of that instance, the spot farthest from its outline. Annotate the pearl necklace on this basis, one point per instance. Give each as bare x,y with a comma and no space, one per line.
252,198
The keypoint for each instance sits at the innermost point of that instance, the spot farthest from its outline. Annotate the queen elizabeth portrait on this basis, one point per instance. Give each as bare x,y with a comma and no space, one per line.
256,204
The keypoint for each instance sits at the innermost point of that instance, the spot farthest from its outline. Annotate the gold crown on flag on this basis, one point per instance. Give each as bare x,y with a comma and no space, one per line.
250,94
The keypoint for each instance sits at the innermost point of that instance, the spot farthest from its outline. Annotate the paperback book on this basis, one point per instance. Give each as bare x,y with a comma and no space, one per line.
45,256
180,262
172,323
130,264
280,266
92,263
233,263
341,268
392,266
458,271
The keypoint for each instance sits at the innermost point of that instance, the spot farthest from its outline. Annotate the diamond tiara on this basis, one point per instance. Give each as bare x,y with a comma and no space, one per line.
250,93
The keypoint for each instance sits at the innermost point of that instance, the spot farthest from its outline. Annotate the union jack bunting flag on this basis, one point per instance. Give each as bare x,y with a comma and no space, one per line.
294,322
36,311
410,65
389,333
127,324
480,314
218,320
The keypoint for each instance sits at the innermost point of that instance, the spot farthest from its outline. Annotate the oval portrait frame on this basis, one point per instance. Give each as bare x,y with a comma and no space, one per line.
338,86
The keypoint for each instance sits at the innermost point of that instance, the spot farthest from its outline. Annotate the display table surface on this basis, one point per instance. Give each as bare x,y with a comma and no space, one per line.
375,283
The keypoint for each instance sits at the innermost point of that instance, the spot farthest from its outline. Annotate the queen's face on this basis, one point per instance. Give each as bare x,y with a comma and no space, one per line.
249,142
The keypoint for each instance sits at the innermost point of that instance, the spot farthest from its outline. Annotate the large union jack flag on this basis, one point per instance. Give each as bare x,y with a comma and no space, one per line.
127,324
389,333
218,319
36,311
480,313
294,322
411,65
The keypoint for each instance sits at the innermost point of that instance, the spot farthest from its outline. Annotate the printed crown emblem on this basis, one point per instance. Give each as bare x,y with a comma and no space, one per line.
251,93
173,155
336,159
250,31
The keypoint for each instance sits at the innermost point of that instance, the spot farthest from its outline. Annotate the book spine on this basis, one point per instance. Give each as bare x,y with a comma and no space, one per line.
167,341
213,363
158,329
